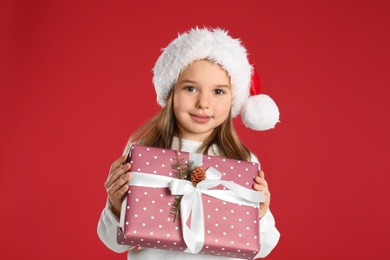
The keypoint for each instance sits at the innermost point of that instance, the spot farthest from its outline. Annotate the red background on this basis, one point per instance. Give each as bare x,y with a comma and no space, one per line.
76,82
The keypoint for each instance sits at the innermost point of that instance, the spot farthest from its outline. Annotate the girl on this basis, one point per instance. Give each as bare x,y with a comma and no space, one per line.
202,79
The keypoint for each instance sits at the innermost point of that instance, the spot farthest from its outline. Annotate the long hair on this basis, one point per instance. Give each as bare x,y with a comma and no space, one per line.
160,130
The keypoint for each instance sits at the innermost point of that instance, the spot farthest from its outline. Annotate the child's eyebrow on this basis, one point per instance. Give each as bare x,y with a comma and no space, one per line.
224,86
187,81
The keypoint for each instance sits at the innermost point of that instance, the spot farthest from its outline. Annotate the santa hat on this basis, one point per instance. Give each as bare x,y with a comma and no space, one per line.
258,111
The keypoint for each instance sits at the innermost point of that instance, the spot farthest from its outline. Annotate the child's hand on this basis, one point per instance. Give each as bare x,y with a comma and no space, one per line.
261,185
116,184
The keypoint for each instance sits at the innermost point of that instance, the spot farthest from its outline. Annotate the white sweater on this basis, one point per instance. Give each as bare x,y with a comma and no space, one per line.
108,223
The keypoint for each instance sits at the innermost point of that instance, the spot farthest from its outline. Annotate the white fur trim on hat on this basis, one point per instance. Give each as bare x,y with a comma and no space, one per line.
211,44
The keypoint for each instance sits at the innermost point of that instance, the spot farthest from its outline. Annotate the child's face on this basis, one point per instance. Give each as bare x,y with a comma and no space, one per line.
202,99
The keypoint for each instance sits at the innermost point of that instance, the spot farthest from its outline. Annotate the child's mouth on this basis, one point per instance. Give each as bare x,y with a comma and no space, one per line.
200,118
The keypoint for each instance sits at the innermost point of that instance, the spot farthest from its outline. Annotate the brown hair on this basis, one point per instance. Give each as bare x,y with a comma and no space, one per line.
160,130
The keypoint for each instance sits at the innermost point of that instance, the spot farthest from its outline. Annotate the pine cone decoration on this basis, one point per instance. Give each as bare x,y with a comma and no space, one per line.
198,174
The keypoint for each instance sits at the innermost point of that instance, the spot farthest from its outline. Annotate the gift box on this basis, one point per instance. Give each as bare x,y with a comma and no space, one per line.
166,209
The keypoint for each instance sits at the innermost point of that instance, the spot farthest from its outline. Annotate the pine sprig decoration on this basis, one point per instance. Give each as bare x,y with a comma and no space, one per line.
178,168
183,171
175,209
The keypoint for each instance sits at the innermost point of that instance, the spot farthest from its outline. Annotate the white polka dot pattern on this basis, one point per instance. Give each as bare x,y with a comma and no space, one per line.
231,230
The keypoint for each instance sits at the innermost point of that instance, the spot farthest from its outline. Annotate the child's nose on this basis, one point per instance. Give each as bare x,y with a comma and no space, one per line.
203,101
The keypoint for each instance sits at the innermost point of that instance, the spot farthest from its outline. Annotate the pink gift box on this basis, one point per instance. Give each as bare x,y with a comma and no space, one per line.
230,228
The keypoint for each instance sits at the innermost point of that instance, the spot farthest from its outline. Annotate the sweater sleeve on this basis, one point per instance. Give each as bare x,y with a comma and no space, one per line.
269,235
107,229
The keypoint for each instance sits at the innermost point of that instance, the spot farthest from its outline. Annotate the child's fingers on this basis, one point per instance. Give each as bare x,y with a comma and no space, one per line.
261,174
115,175
118,185
115,165
261,181
120,188
260,187
116,199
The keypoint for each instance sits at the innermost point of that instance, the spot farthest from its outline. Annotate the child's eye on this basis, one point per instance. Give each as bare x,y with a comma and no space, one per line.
190,88
219,91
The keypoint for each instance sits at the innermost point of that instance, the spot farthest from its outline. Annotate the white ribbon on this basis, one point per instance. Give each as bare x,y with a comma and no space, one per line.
191,202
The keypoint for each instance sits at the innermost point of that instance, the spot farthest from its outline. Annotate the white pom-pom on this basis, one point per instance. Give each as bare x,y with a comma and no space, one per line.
260,113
